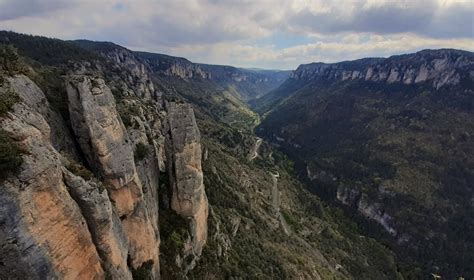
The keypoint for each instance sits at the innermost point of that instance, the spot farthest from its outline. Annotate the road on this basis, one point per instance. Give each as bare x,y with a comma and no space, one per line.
254,151
276,204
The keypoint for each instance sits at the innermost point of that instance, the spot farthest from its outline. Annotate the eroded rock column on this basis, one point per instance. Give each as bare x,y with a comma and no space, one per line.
108,150
188,197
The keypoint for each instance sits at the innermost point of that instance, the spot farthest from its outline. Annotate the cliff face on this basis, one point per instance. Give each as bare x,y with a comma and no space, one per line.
60,220
436,68
106,146
368,208
188,197
43,232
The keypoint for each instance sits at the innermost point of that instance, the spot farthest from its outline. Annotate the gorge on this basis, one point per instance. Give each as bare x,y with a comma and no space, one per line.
119,164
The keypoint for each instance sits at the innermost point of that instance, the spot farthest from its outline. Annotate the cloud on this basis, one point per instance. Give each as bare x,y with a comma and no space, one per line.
260,33
17,9
337,48
423,17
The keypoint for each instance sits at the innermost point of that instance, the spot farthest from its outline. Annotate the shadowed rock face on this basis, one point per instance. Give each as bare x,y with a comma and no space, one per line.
188,196
368,208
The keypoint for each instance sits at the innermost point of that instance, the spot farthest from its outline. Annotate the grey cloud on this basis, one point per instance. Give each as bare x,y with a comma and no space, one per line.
12,9
425,18
159,31
455,21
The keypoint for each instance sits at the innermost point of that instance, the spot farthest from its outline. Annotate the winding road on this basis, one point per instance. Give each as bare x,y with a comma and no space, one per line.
275,192
254,151
276,204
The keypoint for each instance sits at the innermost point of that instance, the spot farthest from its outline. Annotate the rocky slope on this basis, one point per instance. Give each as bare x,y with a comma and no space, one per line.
389,140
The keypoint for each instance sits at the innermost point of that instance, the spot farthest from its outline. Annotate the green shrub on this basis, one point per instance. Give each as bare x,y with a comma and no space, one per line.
141,150
7,100
126,112
176,239
10,155
292,222
10,60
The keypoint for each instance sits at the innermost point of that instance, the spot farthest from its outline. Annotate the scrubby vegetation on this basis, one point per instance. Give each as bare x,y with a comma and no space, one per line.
406,147
10,61
77,168
46,51
280,256
126,112
173,233
8,98
10,155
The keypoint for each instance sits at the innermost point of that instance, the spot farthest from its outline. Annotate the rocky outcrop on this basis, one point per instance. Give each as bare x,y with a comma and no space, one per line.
104,224
437,68
375,211
107,148
32,95
186,71
100,132
138,75
369,209
173,66
43,234
188,197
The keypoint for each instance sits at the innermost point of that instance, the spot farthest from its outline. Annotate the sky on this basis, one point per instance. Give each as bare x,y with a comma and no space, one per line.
273,34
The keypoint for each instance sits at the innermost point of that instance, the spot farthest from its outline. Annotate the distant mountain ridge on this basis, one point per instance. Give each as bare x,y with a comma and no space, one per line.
440,68
435,68
250,83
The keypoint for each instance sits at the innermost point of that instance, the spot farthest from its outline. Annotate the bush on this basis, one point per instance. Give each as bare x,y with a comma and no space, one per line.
7,100
10,155
141,150
176,239
126,112
10,62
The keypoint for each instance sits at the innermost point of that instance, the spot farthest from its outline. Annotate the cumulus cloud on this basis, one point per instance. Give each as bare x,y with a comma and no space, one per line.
257,33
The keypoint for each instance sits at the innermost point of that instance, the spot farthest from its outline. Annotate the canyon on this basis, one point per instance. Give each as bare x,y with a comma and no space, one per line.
134,165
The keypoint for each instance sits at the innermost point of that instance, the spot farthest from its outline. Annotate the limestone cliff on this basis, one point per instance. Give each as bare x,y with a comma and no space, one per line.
106,146
188,197
369,209
58,221
43,233
436,68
